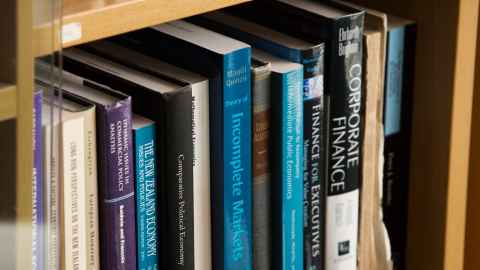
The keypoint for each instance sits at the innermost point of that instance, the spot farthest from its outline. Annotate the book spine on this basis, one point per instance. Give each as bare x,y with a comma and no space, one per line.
91,194
287,157
261,169
73,194
179,177
38,239
237,153
51,172
117,229
201,173
397,121
146,197
344,84
292,170
314,156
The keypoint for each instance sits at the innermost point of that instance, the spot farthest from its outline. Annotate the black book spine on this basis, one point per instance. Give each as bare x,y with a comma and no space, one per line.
396,172
179,179
314,158
344,85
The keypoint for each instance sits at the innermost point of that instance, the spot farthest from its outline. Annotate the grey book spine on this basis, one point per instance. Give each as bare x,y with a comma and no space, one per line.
261,167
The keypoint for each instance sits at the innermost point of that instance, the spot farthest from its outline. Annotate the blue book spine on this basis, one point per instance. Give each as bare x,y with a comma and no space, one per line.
38,241
146,197
237,160
393,81
292,171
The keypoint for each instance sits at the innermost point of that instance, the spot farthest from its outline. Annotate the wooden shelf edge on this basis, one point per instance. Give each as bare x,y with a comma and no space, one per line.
8,102
90,25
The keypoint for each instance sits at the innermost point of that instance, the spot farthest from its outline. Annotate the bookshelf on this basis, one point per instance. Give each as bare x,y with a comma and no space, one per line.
444,165
90,20
8,95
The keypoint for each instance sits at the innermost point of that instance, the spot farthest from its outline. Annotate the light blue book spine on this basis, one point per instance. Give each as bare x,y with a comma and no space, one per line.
394,82
237,110
292,171
146,198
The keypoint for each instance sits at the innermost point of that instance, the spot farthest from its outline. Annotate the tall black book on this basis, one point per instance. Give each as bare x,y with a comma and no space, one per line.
400,63
341,28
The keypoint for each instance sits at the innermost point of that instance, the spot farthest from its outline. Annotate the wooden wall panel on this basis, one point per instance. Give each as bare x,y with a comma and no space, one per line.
472,237
441,123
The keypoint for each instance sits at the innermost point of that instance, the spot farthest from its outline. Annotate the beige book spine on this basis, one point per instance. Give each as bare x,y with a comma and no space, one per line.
73,192
91,192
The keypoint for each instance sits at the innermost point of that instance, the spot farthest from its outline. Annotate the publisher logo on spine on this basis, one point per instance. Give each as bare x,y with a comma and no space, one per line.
343,248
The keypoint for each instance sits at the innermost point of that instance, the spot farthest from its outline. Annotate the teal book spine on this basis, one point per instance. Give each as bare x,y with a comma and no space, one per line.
287,106
237,189
146,197
292,170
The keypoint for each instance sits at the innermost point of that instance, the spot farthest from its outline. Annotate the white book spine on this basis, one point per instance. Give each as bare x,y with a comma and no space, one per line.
201,176
73,152
91,199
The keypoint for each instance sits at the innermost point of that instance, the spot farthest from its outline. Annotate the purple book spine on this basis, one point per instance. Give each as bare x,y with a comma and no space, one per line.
38,243
117,187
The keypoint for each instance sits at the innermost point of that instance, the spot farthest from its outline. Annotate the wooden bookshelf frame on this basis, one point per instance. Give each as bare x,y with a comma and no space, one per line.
445,121
119,17
8,106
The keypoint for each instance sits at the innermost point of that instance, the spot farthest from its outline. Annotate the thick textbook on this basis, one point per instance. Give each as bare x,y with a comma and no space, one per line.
261,165
115,168
226,63
177,101
38,236
287,162
311,56
399,73
144,146
76,146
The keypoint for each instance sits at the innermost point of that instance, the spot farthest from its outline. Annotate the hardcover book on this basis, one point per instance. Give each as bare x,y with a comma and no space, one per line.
76,146
287,162
341,28
311,55
177,101
144,145
115,175
261,166
38,236
399,75
226,63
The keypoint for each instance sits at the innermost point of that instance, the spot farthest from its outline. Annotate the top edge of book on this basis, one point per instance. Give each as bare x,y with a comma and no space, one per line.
77,86
140,78
278,65
139,122
259,30
202,37
331,10
146,62
258,64
396,22
70,109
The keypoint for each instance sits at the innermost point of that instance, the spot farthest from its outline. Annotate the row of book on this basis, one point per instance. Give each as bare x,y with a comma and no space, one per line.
237,139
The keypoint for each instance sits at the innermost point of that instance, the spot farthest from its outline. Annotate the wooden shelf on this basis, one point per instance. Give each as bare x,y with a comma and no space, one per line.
88,20
8,101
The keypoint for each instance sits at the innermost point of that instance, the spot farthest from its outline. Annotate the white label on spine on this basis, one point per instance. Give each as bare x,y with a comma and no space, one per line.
71,32
341,231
